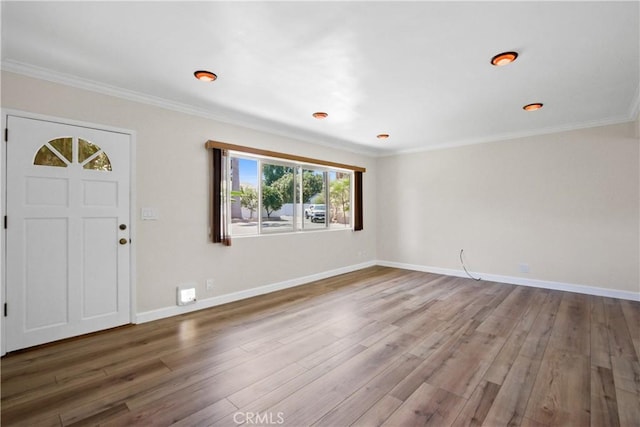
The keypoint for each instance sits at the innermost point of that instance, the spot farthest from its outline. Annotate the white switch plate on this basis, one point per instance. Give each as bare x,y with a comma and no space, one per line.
149,214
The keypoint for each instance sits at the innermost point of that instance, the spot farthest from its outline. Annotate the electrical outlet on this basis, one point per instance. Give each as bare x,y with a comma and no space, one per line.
524,268
209,284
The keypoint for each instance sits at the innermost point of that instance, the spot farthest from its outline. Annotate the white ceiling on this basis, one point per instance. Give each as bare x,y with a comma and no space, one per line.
419,71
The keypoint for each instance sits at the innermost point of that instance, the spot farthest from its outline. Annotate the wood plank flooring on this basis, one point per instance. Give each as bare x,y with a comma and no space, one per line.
380,346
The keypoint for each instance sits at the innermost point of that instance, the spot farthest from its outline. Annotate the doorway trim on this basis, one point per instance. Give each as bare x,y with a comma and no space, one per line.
3,202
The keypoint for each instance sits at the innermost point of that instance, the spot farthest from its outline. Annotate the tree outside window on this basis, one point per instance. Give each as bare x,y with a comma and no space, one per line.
279,197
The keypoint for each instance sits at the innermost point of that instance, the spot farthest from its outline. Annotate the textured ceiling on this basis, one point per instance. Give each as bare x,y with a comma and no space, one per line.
418,71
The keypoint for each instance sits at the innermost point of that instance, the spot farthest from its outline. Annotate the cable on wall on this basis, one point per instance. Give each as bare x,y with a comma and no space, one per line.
465,268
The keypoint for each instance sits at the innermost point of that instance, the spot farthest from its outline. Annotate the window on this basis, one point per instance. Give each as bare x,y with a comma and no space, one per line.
261,192
273,196
59,153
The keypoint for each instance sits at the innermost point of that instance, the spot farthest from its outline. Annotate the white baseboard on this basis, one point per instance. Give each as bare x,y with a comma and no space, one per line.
558,286
161,313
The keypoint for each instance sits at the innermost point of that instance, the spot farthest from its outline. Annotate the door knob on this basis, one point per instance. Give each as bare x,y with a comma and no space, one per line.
123,241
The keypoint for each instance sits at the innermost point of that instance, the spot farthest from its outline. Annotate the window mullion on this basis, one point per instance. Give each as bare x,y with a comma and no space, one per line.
260,176
227,193
295,197
327,200
301,198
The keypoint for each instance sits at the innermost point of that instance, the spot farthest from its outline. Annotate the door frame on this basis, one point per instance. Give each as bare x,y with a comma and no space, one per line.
3,202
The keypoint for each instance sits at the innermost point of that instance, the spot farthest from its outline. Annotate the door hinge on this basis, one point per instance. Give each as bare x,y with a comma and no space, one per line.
5,222
5,309
6,134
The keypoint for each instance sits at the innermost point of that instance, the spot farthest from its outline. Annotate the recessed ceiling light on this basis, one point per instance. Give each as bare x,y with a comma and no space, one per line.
320,115
205,76
504,58
382,136
533,107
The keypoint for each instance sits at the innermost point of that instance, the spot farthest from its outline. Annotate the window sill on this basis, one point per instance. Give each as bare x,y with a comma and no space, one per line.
291,233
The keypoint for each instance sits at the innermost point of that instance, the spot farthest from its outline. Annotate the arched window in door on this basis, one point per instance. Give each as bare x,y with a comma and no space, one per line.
61,152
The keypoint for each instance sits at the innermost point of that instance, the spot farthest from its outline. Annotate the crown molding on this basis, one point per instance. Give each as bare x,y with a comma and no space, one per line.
253,123
517,135
257,124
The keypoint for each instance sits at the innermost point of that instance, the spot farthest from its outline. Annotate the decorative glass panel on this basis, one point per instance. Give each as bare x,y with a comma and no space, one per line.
46,157
86,150
89,155
64,147
100,162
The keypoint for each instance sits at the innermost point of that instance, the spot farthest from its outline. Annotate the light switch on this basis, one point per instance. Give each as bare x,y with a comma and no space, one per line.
149,214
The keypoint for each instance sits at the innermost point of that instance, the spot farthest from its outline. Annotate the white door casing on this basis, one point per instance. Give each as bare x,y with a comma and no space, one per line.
68,231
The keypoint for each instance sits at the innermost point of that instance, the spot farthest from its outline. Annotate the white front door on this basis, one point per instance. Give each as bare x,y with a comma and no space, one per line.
67,264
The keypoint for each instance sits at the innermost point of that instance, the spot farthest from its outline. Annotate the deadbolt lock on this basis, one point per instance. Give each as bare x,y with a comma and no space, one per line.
123,226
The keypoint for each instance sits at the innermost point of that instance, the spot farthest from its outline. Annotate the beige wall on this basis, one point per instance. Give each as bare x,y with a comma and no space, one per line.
567,204
172,175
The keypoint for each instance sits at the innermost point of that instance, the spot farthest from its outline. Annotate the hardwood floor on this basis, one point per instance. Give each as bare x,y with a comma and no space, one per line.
380,346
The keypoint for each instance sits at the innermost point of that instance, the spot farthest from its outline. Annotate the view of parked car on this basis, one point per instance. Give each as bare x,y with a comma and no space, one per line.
318,214
308,213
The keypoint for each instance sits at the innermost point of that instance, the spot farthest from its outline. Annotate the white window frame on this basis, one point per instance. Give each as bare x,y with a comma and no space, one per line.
298,203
